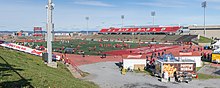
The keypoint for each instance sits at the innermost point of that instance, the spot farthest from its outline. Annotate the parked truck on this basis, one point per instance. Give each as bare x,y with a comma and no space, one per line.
216,57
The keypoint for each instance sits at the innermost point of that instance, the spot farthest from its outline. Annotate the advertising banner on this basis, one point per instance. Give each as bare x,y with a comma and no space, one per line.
185,53
186,67
25,49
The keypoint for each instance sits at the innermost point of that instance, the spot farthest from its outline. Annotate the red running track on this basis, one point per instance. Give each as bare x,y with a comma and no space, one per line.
79,60
142,50
117,55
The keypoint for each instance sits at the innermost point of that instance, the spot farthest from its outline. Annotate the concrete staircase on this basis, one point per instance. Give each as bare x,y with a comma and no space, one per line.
76,72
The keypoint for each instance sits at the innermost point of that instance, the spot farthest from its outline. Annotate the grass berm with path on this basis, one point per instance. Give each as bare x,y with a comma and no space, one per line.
205,76
204,40
18,70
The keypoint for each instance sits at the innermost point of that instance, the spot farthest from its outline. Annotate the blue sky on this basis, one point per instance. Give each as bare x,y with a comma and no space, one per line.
70,14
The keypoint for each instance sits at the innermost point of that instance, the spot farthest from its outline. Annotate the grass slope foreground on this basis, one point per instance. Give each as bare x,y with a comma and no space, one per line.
204,40
19,70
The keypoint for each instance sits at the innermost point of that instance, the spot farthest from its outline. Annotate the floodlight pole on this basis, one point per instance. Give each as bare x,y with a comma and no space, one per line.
153,20
153,13
122,20
204,5
49,29
87,25
204,23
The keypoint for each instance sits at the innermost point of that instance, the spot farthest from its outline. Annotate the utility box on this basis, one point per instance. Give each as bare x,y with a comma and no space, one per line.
45,57
139,67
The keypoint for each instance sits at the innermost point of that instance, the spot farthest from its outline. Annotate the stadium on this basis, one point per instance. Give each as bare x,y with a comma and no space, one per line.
133,48
152,56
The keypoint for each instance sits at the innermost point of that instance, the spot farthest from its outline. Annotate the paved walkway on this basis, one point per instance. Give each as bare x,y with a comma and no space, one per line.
107,75
210,70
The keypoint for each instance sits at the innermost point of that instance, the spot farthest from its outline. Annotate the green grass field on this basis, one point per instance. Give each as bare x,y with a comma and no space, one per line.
18,70
86,44
204,40
205,76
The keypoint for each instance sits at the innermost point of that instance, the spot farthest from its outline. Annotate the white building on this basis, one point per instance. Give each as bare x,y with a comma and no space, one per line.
132,61
197,59
195,56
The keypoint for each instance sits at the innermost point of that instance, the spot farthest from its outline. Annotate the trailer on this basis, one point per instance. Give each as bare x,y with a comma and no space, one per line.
172,66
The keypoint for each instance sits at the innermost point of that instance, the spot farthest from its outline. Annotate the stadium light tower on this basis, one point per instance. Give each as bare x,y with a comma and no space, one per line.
153,13
87,25
122,20
204,5
49,7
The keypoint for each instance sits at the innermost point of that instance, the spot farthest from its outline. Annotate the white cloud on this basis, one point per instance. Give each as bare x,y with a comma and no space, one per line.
209,1
215,7
93,3
164,3
159,5
213,0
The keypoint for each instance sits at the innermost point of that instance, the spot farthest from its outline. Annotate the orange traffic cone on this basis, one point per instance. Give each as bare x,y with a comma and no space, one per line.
197,76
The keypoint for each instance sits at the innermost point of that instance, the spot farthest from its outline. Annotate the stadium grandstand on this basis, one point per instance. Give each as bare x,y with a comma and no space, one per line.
169,30
139,38
212,31
141,34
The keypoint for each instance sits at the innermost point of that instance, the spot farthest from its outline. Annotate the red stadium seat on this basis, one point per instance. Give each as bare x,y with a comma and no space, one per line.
104,30
150,30
171,29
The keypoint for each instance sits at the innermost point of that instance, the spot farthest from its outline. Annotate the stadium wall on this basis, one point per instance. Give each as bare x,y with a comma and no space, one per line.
212,31
209,33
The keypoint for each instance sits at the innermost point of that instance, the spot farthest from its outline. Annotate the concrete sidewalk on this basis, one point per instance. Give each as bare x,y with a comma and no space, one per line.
108,75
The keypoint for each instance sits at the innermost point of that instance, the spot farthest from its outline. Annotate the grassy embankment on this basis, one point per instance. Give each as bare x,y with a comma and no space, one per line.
19,70
205,76
204,40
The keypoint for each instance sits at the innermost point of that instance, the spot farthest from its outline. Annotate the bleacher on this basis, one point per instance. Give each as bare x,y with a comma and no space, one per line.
171,38
186,38
143,38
